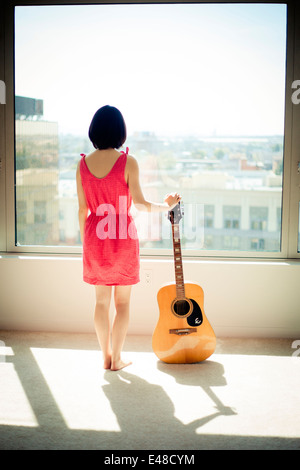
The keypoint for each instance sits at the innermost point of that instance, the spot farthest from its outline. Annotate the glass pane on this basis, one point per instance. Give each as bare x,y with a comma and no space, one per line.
202,90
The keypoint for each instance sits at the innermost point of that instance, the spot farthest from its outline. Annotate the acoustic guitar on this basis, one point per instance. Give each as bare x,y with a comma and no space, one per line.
183,334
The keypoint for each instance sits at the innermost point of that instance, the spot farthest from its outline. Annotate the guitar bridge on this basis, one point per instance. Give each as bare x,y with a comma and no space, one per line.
182,331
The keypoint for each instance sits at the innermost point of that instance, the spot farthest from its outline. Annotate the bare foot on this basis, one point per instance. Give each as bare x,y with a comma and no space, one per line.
107,363
119,365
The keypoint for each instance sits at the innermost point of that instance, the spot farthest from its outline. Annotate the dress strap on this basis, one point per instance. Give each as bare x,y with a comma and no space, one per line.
127,150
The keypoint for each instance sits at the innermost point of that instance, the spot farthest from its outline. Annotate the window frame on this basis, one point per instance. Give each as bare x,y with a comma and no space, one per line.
291,176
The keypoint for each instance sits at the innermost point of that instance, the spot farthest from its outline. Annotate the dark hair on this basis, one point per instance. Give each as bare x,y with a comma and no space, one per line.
108,128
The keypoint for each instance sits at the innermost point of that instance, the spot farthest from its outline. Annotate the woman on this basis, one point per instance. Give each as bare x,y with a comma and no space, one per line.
107,183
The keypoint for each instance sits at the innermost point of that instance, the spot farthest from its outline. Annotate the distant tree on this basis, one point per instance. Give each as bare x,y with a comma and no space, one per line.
279,168
198,154
219,153
276,148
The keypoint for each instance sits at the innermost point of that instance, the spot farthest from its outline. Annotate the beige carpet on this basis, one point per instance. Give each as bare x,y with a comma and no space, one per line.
55,395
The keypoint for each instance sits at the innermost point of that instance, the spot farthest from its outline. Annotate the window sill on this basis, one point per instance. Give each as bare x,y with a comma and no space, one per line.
161,259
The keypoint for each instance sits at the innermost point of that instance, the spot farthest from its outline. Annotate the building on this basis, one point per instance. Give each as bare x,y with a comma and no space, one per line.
37,208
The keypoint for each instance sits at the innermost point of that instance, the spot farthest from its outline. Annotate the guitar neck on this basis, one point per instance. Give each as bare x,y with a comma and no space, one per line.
180,291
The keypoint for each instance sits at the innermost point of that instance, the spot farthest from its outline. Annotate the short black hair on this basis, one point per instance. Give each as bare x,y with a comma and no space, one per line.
108,128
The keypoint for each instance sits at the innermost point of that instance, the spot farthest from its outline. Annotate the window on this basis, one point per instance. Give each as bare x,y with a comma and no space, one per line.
232,215
40,212
209,212
258,244
205,111
259,218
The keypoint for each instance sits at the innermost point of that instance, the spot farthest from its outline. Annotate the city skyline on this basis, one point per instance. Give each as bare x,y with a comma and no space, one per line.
232,198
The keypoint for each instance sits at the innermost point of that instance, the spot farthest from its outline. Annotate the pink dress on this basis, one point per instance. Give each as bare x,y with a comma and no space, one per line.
110,246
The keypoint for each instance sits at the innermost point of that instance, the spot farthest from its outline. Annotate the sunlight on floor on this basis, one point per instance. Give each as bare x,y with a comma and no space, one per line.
75,379
15,408
266,402
227,395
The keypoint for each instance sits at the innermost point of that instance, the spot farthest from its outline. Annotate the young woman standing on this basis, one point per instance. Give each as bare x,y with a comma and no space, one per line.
107,184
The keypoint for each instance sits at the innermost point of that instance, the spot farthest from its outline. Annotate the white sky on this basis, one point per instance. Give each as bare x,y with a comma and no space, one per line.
172,69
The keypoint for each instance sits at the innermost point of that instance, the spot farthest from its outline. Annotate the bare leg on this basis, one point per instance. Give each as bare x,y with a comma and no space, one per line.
101,321
120,325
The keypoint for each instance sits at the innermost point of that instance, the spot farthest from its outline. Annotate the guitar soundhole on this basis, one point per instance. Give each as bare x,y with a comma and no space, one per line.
181,307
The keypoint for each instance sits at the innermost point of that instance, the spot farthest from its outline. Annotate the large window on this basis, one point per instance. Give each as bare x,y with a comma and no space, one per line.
202,90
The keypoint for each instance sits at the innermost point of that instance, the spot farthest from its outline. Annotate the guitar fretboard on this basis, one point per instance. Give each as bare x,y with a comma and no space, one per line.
180,292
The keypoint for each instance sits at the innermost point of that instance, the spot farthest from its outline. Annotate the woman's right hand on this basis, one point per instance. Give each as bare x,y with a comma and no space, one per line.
172,199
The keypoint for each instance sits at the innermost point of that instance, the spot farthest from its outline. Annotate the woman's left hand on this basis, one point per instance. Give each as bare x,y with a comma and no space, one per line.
172,199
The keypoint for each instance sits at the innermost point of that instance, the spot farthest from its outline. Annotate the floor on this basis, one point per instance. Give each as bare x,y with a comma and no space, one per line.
55,395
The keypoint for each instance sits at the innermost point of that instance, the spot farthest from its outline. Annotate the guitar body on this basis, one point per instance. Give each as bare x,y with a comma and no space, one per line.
182,336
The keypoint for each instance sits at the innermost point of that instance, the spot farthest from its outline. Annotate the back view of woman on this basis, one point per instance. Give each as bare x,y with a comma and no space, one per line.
107,183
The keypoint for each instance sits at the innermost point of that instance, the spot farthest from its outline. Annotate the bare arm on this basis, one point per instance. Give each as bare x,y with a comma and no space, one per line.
82,205
137,194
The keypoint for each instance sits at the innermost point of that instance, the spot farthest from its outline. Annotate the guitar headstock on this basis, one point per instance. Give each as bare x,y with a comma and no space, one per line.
175,215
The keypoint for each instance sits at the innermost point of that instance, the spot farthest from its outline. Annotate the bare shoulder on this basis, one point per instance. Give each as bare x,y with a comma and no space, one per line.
132,161
131,169
132,166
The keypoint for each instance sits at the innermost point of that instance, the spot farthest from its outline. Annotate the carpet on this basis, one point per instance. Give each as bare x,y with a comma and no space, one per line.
54,394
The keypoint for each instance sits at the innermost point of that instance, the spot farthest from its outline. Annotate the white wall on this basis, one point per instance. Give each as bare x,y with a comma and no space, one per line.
252,298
